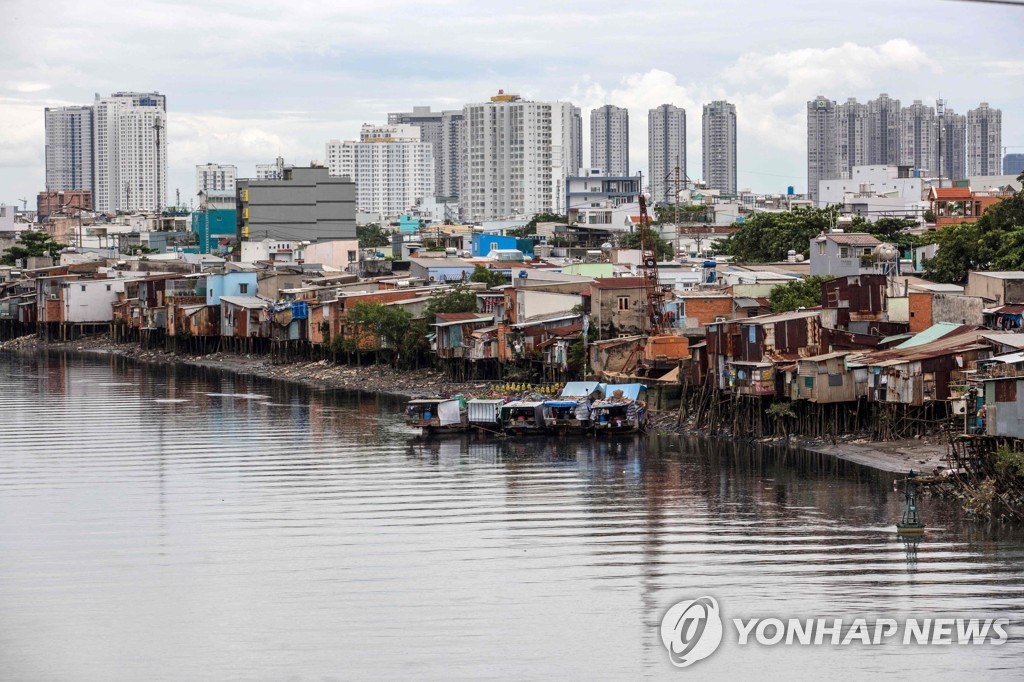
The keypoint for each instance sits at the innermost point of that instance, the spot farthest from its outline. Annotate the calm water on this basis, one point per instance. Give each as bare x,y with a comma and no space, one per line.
162,524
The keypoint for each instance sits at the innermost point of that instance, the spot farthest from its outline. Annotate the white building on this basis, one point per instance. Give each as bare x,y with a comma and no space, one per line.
984,140
666,151
719,138
130,142
518,155
90,301
215,177
605,201
391,166
271,171
609,139
69,149
877,191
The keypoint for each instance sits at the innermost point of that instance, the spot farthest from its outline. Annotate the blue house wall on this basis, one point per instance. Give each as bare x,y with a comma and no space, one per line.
229,284
483,244
222,225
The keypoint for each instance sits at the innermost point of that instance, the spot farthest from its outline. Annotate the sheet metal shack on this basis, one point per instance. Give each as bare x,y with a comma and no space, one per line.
921,373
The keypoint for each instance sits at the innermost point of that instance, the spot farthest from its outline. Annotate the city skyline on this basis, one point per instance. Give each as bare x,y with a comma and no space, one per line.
306,85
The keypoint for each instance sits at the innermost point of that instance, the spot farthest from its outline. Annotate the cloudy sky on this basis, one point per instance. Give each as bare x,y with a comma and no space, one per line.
248,79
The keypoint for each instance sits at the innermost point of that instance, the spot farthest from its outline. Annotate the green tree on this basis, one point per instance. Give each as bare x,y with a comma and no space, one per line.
492,278
801,293
372,236
454,299
389,324
531,227
768,237
891,231
994,242
31,244
631,240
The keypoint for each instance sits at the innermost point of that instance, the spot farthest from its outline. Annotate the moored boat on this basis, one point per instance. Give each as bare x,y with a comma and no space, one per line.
485,414
521,417
623,410
437,415
570,413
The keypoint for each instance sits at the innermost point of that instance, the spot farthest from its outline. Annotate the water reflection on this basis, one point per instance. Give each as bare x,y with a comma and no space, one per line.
223,526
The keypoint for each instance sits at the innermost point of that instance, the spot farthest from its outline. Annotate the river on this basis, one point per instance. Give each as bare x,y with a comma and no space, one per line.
183,524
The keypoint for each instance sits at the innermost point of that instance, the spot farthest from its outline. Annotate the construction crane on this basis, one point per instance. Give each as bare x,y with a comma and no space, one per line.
649,269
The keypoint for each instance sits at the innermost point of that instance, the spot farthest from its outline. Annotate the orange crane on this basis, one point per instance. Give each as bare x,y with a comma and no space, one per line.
649,268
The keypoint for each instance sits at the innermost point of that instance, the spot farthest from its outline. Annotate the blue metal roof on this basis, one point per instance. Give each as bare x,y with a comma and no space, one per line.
559,403
932,333
579,389
631,391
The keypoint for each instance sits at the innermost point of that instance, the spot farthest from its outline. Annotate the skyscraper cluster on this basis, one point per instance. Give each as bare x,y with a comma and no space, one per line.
116,148
935,140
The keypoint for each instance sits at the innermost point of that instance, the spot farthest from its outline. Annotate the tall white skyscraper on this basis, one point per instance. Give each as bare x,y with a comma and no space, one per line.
518,155
130,142
984,140
215,177
609,140
822,150
69,148
666,150
391,166
718,127
919,138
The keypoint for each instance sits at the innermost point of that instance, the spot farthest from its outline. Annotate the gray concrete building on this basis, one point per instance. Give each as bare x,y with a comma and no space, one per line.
1013,164
852,125
666,150
822,163
883,131
609,140
305,204
952,161
69,148
919,137
984,134
443,130
719,146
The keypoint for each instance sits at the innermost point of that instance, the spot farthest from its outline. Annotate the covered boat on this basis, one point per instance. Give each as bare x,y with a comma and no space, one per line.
571,411
521,417
485,413
623,410
437,415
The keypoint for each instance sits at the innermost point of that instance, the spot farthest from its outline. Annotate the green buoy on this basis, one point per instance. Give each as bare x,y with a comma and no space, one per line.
911,524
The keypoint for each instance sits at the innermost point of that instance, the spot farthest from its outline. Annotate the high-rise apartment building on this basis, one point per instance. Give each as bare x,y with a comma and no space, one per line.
69,148
215,177
718,127
1013,164
130,142
952,161
851,137
822,148
984,140
518,155
666,150
609,140
883,131
391,166
443,130
919,138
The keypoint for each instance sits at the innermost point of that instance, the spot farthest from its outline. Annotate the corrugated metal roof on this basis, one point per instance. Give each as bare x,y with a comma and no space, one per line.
854,239
779,317
932,333
246,301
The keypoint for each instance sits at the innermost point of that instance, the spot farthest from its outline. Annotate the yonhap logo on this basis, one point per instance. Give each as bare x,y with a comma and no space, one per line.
691,631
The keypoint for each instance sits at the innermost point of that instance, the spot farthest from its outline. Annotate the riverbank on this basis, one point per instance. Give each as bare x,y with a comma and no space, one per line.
924,454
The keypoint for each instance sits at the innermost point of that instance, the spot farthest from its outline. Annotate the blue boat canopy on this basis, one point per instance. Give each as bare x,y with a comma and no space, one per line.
631,391
579,389
559,403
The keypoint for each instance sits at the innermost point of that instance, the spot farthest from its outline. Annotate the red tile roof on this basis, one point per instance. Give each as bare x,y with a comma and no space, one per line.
854,239
954,193
618,283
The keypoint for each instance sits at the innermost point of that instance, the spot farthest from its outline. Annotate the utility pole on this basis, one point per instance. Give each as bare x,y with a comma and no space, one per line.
157,127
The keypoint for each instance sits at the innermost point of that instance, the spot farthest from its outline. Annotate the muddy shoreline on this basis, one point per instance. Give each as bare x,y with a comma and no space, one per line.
924,455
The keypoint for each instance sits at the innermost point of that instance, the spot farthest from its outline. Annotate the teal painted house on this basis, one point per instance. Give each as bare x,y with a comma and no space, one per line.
222,225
